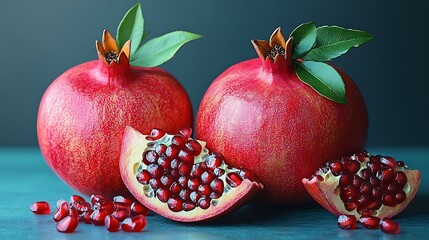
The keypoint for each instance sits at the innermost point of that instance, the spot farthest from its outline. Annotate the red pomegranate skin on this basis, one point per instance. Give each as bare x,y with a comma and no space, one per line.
260,116
83,114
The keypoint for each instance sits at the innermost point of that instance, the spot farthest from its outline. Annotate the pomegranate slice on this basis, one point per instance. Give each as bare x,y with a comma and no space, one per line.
182,181
363,184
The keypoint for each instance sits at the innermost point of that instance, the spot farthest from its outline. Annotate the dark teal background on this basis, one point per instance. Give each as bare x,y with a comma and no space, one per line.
41,39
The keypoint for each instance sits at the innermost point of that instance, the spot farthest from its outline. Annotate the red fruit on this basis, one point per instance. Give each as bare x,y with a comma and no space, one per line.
67,224
370,222
389,226
259,113
347,222
83,114
61,212
134,224
41,207
193,195
382,196
112,224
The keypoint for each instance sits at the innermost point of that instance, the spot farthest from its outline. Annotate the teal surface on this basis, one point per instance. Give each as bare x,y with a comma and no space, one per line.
25,178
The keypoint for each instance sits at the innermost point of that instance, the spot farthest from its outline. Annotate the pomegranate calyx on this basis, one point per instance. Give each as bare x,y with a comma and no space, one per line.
108,50
276,48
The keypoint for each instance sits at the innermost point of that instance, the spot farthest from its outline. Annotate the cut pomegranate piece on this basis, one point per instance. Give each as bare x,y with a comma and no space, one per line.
134,224
389,226
198,185
67,224
41,207
364,185
347,222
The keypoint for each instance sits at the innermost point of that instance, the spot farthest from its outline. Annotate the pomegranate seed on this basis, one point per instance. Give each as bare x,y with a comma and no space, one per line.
401,179
60,202
134,224
204,190
374,181
393,187
204,203
172,151
357,181
185,194
175,188
194,196
350,206
150,157
112,224
385,175
143,177
365,188
80,206
366,174
373,166
86,215
400,197
233,179
183,181
377,192
76,198
389,199
138,209
389,226
400,164
61,212
104,204
163,194
184,169
188,206
167,180
350,193
364,200
164,162
215,195
388,161
346,179
374,205
219,172
336,168
370,222
97,217
175,204
186,132
160,149
217,186
121,214
41,207
246,174
121,199
156,134
345,162
347,222
68,224
178,140
186,157
198,169
155,170
193,146
193,184
155,183
207,177
174,164
353,166
213,161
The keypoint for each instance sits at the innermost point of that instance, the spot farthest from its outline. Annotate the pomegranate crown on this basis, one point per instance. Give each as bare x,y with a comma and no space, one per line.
307,49
130,37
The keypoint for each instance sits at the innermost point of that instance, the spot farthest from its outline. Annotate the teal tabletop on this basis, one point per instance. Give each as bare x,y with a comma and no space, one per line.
26,178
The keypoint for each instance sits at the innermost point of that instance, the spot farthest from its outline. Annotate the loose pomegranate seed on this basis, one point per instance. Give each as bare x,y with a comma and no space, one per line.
370,222
213,161
68,224
61,212
97,217
102,203
186,132
175,204
217,186
233,179
112,224
76,198
163,194
389,226
204,203
41,207
347,222
80,206
143,177
85,217
121,214
184,169
193,146
336,167
60,202
150,157
134,224
138,209
178,140
160,149
188,206
155,134
172,151
388,161
207,177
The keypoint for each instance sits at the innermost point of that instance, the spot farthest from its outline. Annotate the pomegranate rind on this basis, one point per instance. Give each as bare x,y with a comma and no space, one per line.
326,193
134,144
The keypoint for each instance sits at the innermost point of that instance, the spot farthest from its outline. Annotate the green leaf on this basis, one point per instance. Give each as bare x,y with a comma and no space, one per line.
161,49
304,37
323,78
334,41
131,27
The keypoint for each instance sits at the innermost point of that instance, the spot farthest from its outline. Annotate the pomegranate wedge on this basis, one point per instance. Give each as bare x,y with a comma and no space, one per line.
178,178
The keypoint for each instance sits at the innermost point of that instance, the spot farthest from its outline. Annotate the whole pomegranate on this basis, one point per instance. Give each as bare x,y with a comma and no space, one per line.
262,116
83,114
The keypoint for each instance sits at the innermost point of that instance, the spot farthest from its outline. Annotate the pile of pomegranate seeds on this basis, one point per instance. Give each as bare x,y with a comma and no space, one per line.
114,214
348,222
178,171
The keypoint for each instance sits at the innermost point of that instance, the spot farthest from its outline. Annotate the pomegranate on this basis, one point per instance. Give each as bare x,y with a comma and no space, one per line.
364,184
260,115
83,113
179,178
